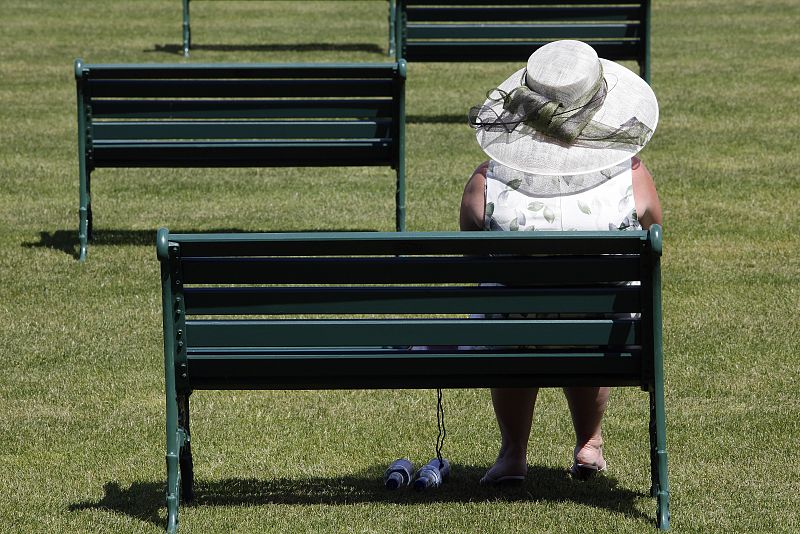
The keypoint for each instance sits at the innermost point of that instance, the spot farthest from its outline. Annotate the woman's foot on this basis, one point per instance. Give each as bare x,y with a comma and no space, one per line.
588,461
509,469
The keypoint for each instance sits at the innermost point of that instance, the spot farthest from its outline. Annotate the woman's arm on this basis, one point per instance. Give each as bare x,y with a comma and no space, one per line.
645,197
473,201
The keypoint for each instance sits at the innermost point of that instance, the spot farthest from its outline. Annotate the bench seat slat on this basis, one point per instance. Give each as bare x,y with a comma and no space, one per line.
243,153
559,3
364,300
253,129
190,88
241,109
365,332
510,14
241,71
390,243
477,32
508,270
505,50
405,369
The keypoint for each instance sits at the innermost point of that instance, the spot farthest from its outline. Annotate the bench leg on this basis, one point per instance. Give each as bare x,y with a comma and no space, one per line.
187,31
84,215
392,42
174,440
185,460
659,487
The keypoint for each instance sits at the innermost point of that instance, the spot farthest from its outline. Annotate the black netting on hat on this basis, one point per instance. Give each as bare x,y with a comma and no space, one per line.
571,124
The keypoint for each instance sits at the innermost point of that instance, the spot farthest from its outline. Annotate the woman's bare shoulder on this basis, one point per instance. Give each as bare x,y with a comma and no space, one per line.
473,200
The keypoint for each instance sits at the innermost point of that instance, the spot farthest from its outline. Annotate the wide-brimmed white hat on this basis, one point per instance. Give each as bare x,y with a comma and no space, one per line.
567,112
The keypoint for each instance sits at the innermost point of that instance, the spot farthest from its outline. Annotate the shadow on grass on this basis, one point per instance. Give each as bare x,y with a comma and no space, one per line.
277,47
146,500
460,118
67,240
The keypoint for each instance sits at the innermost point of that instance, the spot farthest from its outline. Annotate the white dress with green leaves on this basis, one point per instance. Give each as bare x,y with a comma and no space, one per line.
517,201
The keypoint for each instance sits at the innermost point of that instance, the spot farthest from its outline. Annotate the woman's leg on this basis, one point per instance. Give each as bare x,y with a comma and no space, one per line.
513,408
587,406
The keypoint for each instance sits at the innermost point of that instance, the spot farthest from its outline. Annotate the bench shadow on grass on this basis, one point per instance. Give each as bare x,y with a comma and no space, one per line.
146,500
453,118
67,240
276,47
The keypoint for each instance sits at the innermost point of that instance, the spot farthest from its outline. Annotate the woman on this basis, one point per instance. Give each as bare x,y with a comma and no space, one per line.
562,134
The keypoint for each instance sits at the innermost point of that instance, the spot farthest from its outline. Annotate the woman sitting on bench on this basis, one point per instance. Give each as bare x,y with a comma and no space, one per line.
562,134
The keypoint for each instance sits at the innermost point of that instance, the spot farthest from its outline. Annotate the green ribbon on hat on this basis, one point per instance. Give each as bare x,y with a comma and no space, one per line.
565,122
554,118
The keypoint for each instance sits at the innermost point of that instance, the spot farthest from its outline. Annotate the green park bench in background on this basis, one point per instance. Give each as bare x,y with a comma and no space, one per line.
286,311
187,29
477,30
239,115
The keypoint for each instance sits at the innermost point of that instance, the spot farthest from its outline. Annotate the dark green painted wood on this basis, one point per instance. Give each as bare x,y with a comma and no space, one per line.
194,88
239,71
504,51
187,40
371,299
241,109
413,347
582,32
644,52
423,243
561,3
230,104
83,165
411,370
658,422
512,14
174,437
159,130
475,30
243,154
367,332
406,270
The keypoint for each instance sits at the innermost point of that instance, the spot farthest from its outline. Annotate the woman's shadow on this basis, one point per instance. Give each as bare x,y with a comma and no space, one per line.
146,500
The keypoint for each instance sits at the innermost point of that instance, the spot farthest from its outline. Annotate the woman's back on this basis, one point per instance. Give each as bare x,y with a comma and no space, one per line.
517,201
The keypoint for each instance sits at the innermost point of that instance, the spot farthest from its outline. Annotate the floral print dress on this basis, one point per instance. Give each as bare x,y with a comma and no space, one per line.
521,202
517,201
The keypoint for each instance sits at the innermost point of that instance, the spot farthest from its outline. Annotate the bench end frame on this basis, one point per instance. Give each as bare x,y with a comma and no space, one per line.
84,169
400,146
178,455
658,425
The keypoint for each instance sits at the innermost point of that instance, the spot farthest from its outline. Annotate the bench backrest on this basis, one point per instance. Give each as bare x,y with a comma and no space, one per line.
187,31
388,310
476,30
241,115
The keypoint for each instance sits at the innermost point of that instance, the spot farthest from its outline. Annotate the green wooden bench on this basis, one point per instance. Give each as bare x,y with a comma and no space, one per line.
477,30
239,115
263,311
187,30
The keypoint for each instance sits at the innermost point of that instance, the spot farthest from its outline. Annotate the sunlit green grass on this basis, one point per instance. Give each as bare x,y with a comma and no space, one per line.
81,372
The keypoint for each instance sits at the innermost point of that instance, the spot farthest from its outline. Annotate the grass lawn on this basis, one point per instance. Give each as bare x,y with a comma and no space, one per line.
81,368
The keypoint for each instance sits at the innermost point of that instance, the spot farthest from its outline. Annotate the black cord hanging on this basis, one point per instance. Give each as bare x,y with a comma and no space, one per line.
441,427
